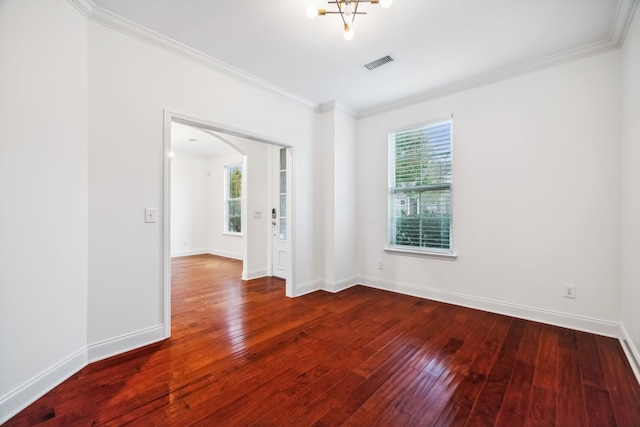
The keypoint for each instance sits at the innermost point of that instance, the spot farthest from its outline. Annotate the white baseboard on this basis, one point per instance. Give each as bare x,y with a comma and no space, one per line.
225,254
179,254
580,323
118,345
325,285
631,351
206,252
254,274
307,288
340,285
18,399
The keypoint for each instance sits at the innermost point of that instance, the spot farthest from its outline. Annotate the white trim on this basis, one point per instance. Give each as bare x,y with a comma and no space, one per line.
102,16
111,20
624,15
427,254
85,7
189,253
127,342
254,274
335,106
166,224
340,285
325,285
24,395
214,252
580,323
631,351
291,220
622,21
224,254
307,288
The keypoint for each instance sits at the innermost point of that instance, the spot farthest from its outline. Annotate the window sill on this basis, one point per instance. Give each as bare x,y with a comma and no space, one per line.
227,233
426,254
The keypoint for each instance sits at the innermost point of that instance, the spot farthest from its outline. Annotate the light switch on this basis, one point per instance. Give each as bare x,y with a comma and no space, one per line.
150,215
257,214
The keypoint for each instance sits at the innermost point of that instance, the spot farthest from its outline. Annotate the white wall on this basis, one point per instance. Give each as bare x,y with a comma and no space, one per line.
197,207
43,193
630,183
191,227
131,84
536,196
336,194
344,194
325,221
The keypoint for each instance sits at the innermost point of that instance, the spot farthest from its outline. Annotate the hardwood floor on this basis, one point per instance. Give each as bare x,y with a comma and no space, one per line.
241,353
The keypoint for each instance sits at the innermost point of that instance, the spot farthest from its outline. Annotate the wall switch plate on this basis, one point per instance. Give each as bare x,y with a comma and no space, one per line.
569,291
150,215
381,264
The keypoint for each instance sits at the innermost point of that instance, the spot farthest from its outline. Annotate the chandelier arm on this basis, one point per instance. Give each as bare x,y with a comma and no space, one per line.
341,9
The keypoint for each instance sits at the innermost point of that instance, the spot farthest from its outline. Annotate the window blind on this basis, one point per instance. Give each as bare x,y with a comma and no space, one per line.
420,172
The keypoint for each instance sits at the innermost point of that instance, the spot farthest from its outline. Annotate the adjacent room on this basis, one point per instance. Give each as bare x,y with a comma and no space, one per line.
312,212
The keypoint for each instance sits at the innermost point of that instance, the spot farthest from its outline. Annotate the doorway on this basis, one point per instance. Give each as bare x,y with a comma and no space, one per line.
280,223
206,192
259,156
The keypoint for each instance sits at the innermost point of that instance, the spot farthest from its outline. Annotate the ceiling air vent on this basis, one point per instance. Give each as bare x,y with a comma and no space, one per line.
379,62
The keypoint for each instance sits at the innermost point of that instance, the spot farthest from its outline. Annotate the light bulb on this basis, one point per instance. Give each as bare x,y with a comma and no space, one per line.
348,10
385,3
348,32
312,11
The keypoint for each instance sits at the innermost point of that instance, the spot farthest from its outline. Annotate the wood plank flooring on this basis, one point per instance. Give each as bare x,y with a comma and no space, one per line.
242,354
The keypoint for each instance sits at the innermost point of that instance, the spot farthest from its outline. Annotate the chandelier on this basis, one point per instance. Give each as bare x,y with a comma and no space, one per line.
347,9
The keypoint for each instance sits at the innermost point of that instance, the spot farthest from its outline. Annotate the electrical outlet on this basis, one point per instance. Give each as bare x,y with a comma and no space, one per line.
569,291
380,264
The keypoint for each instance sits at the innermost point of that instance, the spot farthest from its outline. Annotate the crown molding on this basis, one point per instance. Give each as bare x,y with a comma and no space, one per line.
111,20
336,106
620,25
624,14
622,21
85,7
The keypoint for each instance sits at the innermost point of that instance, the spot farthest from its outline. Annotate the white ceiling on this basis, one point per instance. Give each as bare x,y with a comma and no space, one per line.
439,45
193,142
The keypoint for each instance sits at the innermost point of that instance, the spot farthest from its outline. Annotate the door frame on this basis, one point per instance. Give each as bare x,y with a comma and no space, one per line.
274,177
170,116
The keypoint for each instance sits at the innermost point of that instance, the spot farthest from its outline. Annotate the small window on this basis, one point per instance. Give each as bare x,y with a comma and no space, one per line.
233,199
283,194
420,172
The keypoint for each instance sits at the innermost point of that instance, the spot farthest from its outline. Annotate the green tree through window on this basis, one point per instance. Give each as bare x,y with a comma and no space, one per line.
234,199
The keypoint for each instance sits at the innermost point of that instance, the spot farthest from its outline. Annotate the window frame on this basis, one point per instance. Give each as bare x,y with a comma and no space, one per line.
228,170
393,189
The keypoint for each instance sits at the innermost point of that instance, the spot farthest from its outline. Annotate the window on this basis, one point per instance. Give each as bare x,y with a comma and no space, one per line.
283,194
420,188
233,199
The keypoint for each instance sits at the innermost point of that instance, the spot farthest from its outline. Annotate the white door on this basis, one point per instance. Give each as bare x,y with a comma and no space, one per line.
279,221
